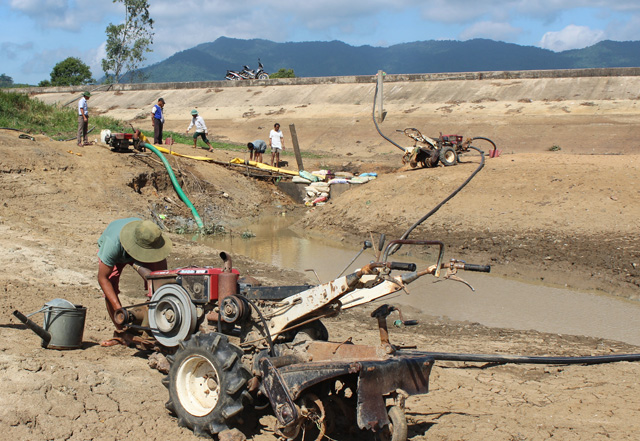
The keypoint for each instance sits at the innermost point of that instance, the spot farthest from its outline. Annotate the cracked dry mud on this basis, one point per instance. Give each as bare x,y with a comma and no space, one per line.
566,217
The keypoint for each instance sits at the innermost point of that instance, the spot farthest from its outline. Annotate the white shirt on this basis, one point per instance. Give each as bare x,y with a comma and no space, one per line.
199,123
276,139
83,107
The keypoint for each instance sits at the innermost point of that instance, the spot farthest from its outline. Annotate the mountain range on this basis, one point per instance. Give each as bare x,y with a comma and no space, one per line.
210,61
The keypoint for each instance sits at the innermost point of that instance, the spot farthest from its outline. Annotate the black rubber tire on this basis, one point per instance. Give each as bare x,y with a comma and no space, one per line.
263,76
448,156
397,430
190,382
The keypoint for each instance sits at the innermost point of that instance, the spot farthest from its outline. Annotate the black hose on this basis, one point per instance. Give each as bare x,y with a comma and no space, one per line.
522,359
445,200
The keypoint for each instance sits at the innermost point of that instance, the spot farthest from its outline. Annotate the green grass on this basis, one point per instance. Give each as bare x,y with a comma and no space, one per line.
18,111
181,138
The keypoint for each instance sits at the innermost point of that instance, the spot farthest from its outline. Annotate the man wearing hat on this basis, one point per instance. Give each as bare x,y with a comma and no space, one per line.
201,129
83,119
157,120
134,242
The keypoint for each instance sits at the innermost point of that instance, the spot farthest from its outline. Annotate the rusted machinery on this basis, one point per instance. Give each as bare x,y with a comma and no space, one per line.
238,347
446,149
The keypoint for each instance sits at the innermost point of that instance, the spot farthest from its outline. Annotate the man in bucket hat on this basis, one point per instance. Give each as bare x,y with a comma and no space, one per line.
130,241
201,129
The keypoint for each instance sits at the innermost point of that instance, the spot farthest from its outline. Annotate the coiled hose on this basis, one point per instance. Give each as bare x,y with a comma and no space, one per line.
176,185
518,359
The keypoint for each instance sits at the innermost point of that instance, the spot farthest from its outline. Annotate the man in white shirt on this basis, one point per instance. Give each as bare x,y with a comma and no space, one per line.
276,142
201,129
83,119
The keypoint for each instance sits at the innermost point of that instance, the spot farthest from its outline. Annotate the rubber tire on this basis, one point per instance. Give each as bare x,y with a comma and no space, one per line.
448,156
263,76
210,352
397,430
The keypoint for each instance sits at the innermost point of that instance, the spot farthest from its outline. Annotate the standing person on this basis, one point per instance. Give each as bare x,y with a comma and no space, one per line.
83,119
201,129
134,242
157,119
276,142
257,148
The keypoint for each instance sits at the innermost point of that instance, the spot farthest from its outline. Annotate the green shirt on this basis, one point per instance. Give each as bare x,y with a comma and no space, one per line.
110,249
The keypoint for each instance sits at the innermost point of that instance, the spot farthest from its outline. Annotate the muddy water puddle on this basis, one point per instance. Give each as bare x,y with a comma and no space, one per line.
496,302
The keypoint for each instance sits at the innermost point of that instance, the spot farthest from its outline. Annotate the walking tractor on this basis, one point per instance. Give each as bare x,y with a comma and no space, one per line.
446,149
120,142
236,348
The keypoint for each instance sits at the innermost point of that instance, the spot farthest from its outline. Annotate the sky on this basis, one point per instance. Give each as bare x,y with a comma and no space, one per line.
35,35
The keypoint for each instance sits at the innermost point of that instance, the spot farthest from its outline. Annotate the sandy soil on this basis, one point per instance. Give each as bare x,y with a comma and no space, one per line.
567,217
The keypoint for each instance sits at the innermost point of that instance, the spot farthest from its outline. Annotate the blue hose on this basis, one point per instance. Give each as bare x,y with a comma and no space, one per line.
176,185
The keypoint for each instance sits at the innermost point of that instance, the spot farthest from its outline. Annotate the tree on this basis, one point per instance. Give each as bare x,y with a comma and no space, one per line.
129,41
283,73
6,81
69,72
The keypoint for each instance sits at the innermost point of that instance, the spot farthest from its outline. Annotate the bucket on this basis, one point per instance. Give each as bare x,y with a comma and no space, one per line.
65,323
63,326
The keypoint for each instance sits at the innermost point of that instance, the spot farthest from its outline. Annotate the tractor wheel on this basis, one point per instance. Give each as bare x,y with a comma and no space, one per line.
448,156
263,76
207,383
397,430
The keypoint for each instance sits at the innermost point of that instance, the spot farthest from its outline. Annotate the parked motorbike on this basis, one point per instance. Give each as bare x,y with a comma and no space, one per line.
248,74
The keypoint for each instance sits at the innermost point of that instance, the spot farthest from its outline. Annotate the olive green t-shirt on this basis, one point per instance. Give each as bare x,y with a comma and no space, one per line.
110,249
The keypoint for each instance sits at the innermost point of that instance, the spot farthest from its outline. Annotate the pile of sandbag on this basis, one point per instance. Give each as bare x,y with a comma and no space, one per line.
319,183
317,193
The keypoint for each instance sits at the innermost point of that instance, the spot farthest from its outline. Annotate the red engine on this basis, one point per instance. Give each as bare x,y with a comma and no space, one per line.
202,284
452,139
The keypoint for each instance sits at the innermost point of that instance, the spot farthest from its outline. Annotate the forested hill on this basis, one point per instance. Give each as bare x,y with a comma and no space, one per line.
210,61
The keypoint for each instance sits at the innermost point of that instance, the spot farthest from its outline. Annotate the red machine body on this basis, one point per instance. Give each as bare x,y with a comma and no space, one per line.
452,139
200,283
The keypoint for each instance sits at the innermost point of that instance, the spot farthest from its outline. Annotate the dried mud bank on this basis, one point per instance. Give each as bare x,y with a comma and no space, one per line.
569,216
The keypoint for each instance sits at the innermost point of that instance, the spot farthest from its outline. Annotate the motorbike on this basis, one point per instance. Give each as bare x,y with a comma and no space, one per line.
248,74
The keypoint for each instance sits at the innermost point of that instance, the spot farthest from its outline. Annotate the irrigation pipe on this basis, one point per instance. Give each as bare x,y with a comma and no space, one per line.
445,200
176,185
523,359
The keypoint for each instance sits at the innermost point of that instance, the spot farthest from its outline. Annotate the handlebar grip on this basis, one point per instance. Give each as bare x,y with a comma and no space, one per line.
402,266
478,268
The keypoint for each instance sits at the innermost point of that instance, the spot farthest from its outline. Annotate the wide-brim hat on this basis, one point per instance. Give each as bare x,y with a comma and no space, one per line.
194,112
144,241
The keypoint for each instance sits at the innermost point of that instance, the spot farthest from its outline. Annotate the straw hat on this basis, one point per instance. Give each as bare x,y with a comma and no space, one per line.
144,241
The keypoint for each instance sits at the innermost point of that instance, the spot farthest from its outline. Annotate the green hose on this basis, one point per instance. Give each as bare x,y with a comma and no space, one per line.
176,185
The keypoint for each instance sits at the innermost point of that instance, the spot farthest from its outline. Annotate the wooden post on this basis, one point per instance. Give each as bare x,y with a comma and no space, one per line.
296,146
379,96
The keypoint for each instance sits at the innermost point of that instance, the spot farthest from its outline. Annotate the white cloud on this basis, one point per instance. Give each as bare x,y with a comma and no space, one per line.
571,37
491,30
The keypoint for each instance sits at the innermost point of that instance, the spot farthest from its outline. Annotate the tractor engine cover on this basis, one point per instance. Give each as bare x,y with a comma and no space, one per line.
201,284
